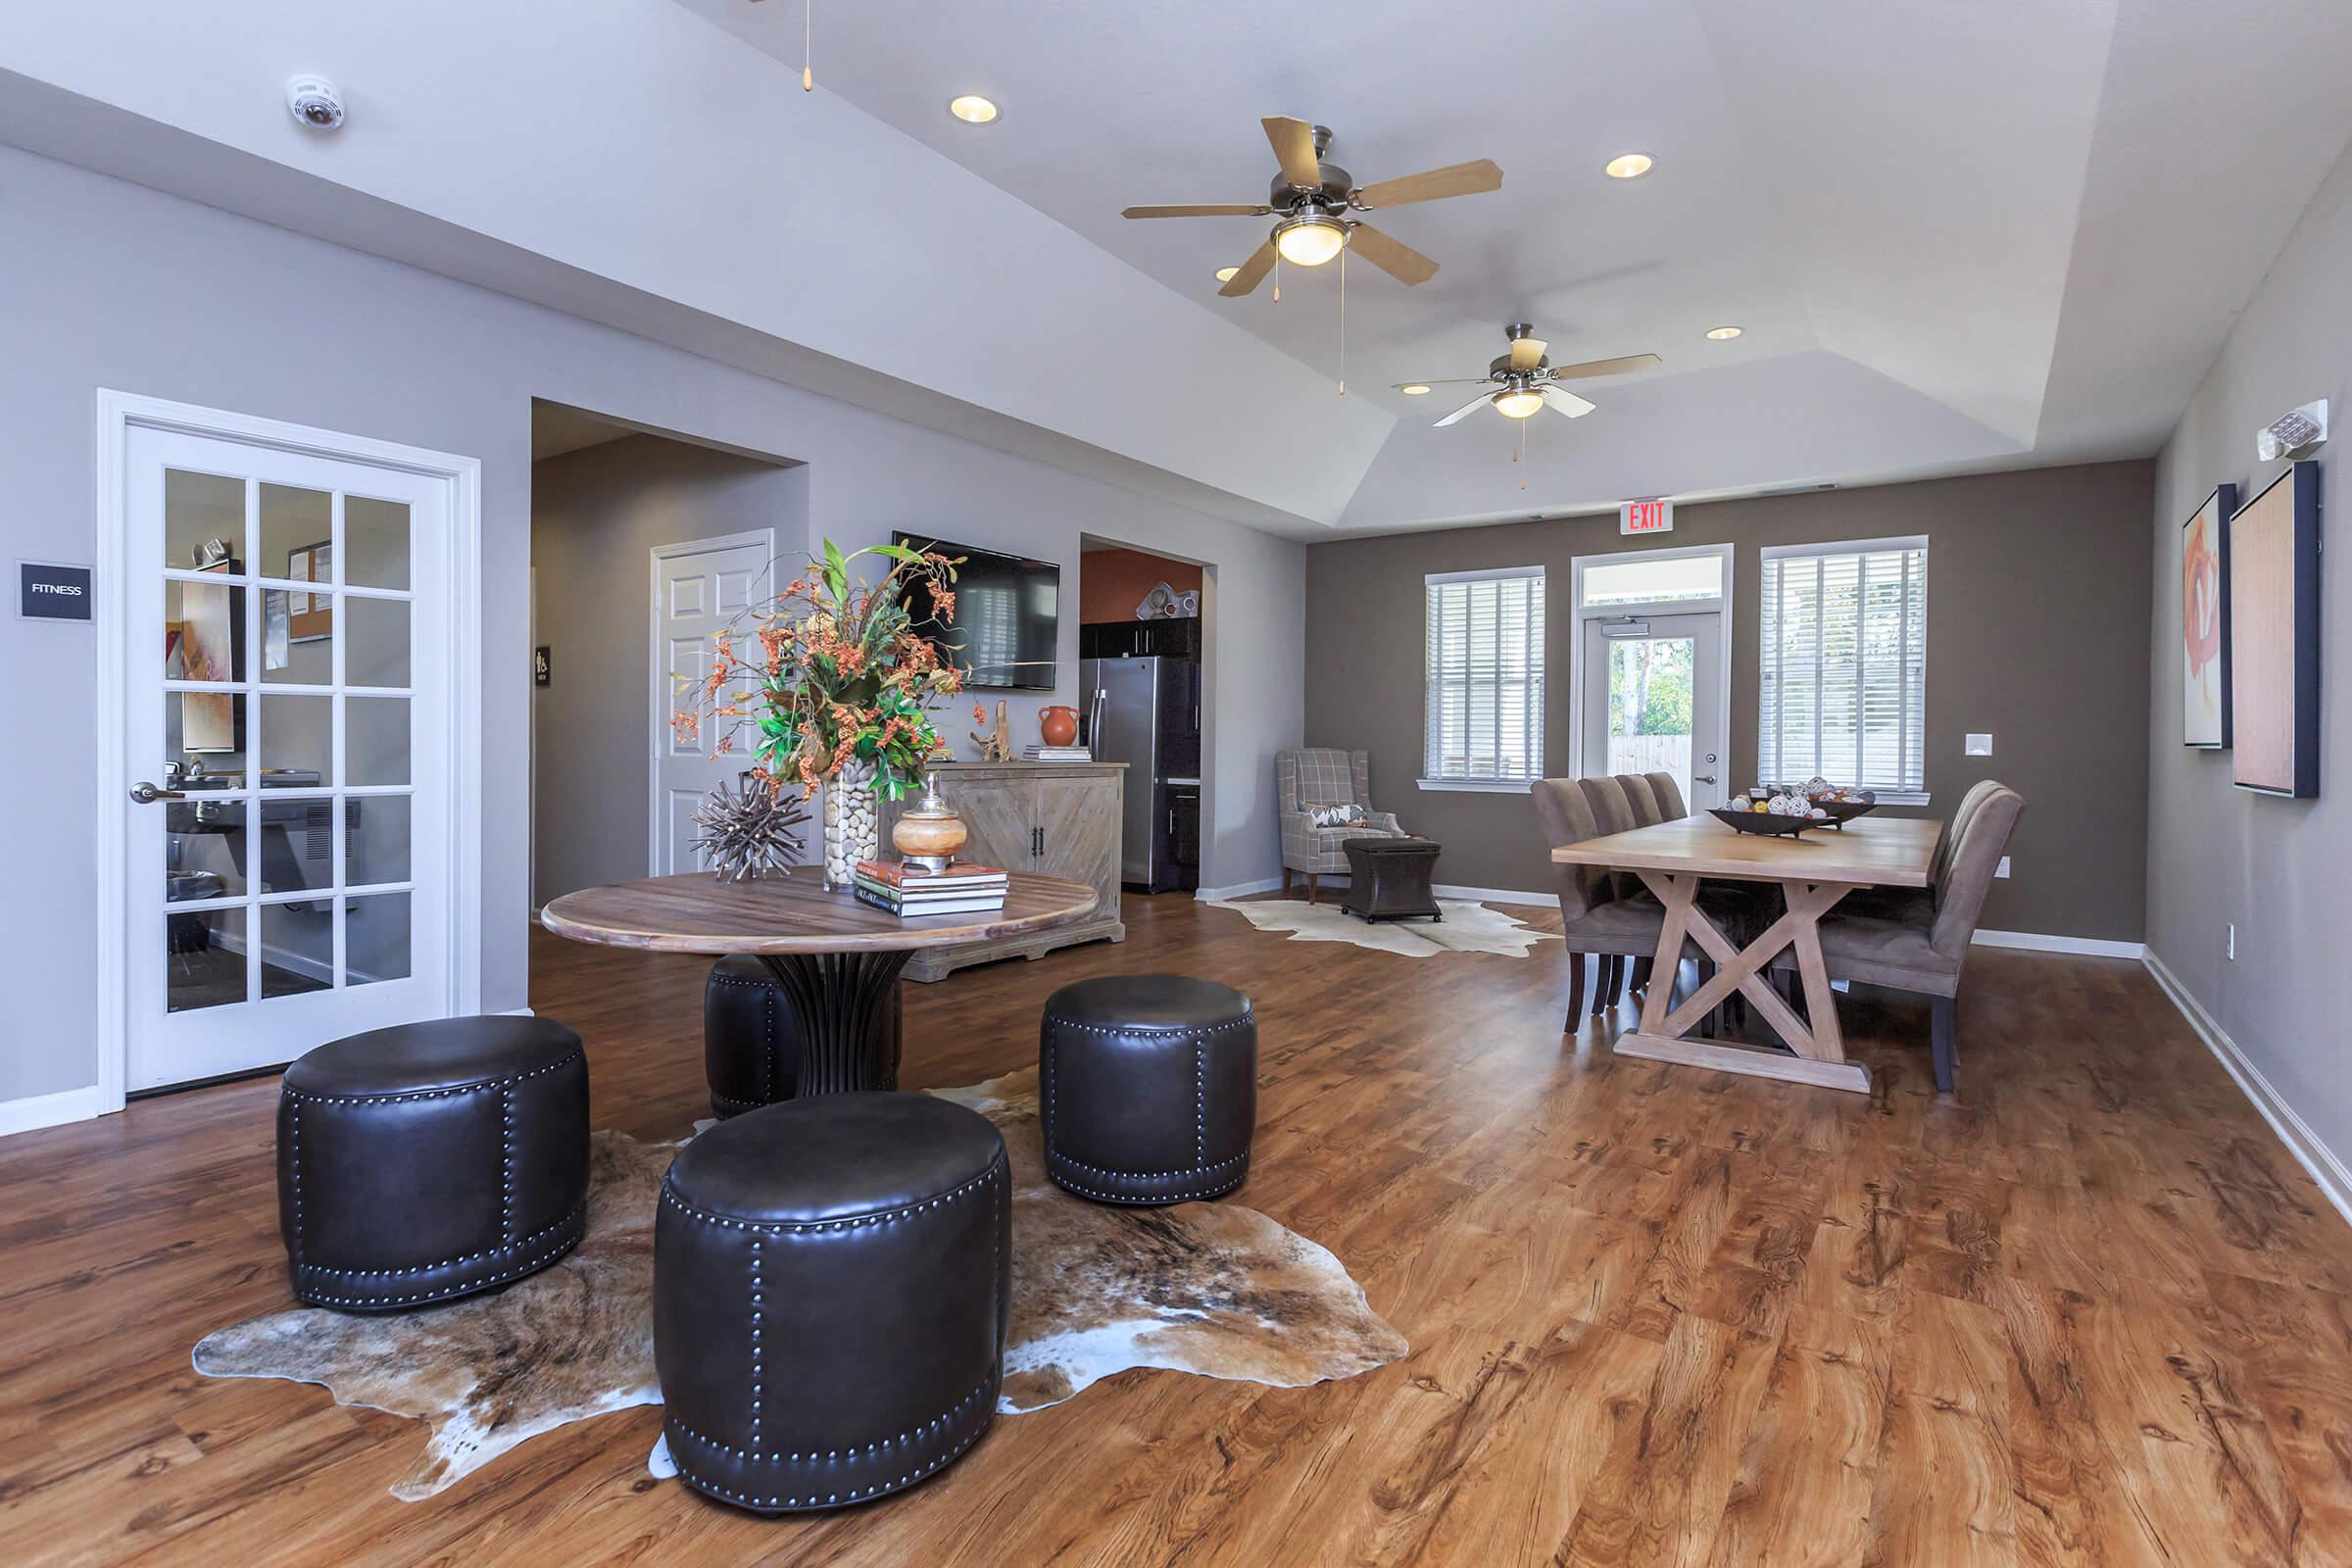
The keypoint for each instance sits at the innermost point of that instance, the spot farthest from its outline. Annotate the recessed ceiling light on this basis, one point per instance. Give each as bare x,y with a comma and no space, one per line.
1225,274
1628,166
1724,335
972,108
1416,390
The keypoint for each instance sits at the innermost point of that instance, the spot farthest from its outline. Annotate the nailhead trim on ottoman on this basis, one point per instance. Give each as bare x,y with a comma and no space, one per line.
832,1282
431,1161
1148,1088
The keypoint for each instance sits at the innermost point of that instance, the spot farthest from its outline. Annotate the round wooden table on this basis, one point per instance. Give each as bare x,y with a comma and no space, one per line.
836,959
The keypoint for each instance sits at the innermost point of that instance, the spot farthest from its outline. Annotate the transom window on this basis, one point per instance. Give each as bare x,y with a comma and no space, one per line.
1482,705
1843,640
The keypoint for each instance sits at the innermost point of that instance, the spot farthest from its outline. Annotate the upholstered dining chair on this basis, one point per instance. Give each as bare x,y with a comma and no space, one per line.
1326,777
1922,952
1640,798
1596,921
1917,903
1669,795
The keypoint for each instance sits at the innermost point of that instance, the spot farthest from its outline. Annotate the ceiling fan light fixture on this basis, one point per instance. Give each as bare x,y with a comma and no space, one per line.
972,108
1226,275
1309,239
1722,334
1520,403
1416,390
1628,166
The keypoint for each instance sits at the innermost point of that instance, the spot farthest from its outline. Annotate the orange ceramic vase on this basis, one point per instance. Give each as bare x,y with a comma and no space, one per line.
1058,726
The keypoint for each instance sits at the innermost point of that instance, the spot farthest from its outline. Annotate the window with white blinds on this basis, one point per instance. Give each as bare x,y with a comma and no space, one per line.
1483,707
1843,639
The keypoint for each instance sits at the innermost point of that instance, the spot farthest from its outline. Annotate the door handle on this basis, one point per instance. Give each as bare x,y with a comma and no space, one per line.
1037,842
1702,778
147,794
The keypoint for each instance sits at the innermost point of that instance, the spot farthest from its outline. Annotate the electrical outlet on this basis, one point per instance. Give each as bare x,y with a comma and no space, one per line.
2231,951
1979,746
2002,869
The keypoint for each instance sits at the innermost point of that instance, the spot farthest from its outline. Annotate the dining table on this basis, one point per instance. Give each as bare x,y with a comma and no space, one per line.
1814,869
835,958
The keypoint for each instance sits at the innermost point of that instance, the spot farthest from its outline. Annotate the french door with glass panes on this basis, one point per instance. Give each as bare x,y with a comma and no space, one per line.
287,704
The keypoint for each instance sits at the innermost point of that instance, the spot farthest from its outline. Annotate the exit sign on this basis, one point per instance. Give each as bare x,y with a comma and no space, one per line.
1646,517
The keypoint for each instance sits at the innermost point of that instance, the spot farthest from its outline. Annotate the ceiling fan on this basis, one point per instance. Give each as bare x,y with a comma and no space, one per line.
1523,380
1313,200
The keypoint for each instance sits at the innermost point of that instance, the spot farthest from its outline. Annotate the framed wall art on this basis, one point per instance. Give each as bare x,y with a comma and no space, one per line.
2205,622
2274,636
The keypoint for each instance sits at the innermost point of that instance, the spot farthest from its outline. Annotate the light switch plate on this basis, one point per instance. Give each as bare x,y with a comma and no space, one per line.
1980,746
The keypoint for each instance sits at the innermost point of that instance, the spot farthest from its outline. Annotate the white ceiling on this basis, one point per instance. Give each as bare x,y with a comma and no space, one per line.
1961,234
1958,235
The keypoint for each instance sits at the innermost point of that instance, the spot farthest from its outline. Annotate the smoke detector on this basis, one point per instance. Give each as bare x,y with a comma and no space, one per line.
315,103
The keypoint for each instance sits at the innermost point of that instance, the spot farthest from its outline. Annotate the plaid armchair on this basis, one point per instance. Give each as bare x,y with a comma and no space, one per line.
1324,776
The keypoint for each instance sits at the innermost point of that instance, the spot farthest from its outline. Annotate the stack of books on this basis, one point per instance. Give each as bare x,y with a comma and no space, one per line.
908,890
1058,753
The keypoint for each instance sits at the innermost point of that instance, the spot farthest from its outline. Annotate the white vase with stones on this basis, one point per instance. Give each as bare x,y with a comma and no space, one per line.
851,823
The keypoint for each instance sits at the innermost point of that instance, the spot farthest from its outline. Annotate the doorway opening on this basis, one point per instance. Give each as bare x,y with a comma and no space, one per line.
1650,673
1144,646
644,547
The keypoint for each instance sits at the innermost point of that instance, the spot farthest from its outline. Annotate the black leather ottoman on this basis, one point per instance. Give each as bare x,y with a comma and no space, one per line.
1148,1088
832,1279
751,1045
431,1161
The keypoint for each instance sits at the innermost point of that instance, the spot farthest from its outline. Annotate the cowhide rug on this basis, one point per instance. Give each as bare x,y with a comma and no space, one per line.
1468,927
1212,1287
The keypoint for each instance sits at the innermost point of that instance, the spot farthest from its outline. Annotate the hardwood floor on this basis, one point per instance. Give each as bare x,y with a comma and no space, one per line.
2088,1313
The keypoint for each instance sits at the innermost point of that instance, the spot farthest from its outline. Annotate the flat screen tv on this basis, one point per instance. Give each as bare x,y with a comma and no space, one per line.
1006,620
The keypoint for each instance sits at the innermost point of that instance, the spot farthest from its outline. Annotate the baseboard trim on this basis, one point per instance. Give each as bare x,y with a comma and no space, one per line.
2309,1151
1236,890
2035,942
36,1112
1453,890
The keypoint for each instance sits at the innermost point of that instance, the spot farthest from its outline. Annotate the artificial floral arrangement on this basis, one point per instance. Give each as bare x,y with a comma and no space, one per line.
837,685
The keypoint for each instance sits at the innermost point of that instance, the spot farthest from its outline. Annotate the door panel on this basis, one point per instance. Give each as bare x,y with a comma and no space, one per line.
1082,825
698,593
298,888
1000,828
1654,702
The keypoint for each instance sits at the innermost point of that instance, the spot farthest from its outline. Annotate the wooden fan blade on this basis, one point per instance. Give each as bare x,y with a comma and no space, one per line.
1253,270
1466,410
1455,180
1228,210
1394,257
1565,400
1527,353
1295,148
1620,366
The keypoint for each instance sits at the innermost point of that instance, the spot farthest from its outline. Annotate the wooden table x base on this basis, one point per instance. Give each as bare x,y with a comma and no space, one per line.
1816,1053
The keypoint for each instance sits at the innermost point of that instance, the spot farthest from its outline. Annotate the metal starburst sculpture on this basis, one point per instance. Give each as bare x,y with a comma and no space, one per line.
748,831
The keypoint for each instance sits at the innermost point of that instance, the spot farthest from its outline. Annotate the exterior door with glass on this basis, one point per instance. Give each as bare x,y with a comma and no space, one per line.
286,815
1653,701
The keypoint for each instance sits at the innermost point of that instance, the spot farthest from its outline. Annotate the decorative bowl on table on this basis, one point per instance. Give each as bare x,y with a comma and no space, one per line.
1765,821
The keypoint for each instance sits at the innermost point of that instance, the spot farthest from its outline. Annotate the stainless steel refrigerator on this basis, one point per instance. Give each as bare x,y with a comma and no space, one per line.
1146,712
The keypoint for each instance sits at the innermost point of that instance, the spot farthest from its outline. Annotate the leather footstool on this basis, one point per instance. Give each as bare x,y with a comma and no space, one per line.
431,1161
751,1046
751,1043
832,1278
1148,1088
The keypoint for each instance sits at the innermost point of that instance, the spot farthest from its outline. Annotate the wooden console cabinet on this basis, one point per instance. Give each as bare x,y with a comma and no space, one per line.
1055,818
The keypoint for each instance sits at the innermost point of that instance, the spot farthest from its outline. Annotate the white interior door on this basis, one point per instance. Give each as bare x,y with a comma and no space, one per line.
1653,701
700,590
288,689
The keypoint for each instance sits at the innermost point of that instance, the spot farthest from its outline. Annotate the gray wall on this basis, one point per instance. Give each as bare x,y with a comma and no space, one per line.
2037,632
2280,870
596,515
118,286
